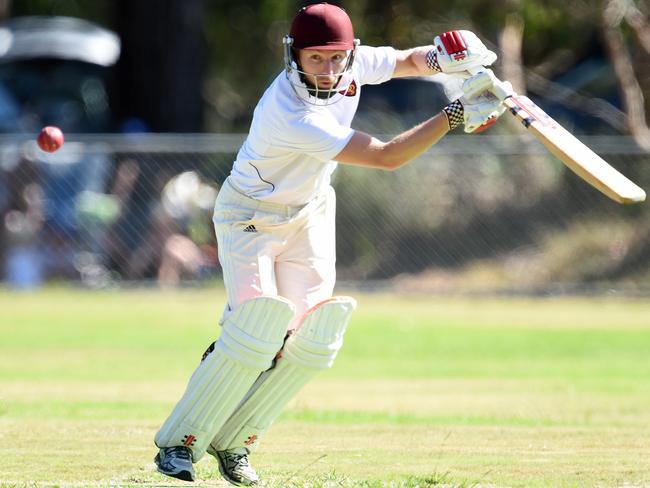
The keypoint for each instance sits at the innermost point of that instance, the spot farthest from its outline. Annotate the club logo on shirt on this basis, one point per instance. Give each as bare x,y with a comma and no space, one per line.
351,91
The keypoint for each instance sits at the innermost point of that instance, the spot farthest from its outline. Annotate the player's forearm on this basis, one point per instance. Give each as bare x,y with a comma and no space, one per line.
368,151
413,62
410,144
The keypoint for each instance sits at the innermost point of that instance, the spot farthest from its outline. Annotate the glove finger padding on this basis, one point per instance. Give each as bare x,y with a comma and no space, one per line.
481,111
459,51
479,83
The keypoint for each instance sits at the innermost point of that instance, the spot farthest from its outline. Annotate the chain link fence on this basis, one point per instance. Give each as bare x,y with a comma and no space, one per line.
475,214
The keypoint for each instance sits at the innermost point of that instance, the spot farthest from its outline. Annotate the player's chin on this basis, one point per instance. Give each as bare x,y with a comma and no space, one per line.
320,86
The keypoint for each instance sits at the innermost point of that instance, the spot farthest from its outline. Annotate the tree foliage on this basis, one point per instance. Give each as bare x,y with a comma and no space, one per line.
243,38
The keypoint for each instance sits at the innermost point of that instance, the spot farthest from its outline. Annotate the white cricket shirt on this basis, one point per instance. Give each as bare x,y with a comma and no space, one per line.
287,156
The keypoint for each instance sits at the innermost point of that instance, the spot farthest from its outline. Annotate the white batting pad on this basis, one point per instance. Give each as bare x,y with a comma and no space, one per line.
250,338
311,348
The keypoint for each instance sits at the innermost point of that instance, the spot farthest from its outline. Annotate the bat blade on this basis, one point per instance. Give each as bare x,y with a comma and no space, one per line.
573,153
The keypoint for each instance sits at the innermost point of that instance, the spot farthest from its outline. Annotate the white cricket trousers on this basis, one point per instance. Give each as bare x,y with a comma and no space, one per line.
274,249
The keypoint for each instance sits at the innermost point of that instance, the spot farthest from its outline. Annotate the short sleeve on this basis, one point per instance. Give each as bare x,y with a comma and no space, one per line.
375,64
320,137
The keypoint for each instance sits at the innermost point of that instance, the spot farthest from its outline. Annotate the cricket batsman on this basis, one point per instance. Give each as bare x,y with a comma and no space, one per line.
274,221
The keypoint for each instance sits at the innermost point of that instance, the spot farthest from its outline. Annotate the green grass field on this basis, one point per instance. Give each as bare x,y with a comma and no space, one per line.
426,392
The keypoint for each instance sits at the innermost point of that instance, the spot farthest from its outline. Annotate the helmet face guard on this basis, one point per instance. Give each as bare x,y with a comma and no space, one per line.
321,27
313,94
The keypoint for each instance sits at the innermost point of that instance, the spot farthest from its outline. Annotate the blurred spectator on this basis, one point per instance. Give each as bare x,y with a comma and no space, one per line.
21,209
49,218
179,242
118,241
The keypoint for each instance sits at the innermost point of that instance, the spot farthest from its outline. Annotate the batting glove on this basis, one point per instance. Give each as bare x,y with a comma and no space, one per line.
481,82
476,113
481,112
456,52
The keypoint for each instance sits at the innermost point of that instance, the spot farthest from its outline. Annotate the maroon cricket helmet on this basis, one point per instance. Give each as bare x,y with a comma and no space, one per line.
322,26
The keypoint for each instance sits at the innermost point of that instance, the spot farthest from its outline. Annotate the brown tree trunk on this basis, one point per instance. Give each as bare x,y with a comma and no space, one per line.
5,9
510,43
633,101
635,18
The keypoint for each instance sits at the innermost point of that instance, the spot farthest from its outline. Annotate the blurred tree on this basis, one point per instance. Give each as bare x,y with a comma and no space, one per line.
637,20
160,72
614,13
245,45
195,65
96,11
510,46
246,51
5,7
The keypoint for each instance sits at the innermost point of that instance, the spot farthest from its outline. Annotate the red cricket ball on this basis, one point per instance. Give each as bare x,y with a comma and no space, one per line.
50,138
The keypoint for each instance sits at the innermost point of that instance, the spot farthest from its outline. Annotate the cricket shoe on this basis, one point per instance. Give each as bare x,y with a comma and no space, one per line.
235,467
175,462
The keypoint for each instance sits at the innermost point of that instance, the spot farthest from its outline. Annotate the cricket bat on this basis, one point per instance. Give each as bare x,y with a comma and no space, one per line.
567,148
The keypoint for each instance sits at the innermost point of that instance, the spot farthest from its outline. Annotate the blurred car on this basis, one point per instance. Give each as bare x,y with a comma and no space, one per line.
55,71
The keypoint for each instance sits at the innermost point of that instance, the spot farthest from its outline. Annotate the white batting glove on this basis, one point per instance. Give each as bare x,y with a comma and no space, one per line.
479,83
456,52
476,113
481,112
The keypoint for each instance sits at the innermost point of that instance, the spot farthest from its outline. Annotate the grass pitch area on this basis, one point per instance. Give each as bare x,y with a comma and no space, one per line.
426,392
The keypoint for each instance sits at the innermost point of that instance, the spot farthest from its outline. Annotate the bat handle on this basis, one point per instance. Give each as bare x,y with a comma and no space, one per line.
500,89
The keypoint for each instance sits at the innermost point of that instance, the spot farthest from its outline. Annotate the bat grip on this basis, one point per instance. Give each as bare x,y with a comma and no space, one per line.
499,89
